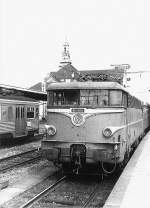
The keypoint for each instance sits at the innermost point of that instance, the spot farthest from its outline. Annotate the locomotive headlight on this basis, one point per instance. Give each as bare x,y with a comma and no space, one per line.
107,132
51,130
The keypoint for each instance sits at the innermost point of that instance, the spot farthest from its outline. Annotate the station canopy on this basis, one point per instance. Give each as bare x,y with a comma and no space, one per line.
8,91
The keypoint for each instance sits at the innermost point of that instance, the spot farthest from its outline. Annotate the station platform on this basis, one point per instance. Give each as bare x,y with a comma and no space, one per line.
132,189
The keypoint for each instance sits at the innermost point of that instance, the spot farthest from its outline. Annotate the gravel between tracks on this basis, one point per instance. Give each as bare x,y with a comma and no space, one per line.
25,177
19,149
16,174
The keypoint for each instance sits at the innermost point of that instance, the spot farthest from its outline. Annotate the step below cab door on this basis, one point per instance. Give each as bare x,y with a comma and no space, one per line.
20,120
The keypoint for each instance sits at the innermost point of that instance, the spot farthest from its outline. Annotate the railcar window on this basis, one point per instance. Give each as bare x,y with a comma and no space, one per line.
10,113
37,112
30,112
115,97
17,112
6,113
23,112
0,113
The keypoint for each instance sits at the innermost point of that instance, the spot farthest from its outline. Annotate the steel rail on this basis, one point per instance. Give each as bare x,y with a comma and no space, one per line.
91,197
38,196
19,154
18,164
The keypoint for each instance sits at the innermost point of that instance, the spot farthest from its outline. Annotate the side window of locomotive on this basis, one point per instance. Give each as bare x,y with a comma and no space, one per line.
50,98
124,99
130,100
58,98
30,112
115,98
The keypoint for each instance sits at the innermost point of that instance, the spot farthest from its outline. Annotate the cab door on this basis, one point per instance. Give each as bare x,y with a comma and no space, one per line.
20,120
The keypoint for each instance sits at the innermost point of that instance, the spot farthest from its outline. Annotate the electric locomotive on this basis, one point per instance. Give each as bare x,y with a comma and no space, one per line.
92,123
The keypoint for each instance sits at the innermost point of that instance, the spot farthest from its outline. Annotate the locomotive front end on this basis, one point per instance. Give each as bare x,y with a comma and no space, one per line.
86,125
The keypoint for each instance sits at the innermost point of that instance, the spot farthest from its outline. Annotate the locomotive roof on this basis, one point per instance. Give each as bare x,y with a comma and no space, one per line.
85,85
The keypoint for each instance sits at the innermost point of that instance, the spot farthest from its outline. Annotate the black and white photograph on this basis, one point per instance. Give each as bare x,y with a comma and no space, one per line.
74,103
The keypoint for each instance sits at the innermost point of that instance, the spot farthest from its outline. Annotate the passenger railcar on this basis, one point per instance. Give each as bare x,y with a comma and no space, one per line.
92,123
18,117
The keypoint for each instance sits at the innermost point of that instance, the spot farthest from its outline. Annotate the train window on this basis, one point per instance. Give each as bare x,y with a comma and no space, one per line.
94,97
50,98
0,112
115,97
124,101
10,113
37,112
23,112
16,112
30,112
103,98
6,113
89,97
130,100
67,97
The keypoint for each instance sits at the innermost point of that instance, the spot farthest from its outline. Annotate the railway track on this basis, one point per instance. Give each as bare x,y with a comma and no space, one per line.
10,162
41,194
81,194
21,141
91,196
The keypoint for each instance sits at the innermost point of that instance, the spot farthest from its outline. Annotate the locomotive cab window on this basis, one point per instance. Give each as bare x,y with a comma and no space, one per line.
115,98
87,98
61,98
94,98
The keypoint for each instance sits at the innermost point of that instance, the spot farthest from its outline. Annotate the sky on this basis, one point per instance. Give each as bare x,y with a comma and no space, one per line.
99,32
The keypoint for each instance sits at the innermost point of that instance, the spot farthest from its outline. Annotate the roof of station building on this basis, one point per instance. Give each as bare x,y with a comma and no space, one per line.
8,90
65,72
19,98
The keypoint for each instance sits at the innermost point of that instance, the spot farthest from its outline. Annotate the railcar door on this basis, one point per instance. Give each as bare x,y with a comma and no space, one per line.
20,120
